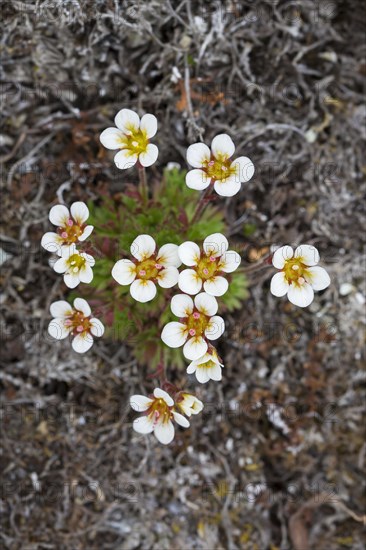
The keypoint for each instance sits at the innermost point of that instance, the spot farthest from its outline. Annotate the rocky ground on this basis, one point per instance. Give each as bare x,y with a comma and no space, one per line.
276,459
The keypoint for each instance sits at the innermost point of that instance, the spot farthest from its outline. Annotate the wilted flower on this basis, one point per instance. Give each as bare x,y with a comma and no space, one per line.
207,367
300,275
77,321
158,415
71,226
76,266
188,403
149,267
207,266
198,323
132,136
216,167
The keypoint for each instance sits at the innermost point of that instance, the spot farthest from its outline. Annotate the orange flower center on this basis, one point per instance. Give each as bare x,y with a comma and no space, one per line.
295,271
70,232
196,323
208,267
218,168
148,269
78,322
159,410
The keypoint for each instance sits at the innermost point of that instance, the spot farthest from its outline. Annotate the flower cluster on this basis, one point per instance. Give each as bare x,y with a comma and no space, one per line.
161,410
201,271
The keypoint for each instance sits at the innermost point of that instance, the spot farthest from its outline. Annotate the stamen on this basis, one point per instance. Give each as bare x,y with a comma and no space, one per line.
67,322
196,315
211,163
295,267
70,223
192,332
301,280
64,235
75,270
159,266
205,271
212,259
224,168
80,328
135,143
142,272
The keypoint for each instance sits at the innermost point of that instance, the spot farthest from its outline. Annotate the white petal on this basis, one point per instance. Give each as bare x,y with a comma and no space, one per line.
281,255
194,348
319,278
60,266
124,159
189,253
215,328
57,329
192,366
143,291
52,242
128,121
216,286
168,255
61,308
82,305
227,188
86,274
59,215
143,247
308,254
189,281
140,403
230,261
97,327
148,157
82,342
90,261
198,154
215,373
143,425
80,212
68,251
168,277
181,305
86,233
301,296
164,432
181,420
71,280
161,394
279,284
215,245
124,272
223,146
197,179
202,375
206,304
174,334
244,169
149,125
110,138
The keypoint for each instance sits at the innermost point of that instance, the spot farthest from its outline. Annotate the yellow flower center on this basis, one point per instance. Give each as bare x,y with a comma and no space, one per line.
208,266
196,323
76,262
295,271
148,269
136,142
159,410
70,232
219,168
78,322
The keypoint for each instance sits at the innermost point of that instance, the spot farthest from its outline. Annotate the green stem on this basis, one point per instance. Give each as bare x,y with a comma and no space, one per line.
143,185
202,203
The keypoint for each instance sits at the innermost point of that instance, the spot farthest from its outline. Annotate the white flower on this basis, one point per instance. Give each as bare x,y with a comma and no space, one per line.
158,415
208,266
76,321
207,367
188,403
71,227
148,268
216,167
132,136
198,323
76,266
300,275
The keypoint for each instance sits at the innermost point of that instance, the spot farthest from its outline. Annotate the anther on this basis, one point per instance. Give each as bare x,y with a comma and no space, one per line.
80,328
64,235
70,223
142,272
196,315
192,332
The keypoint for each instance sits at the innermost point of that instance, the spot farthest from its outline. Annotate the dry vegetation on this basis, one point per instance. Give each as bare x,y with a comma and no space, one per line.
276,459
